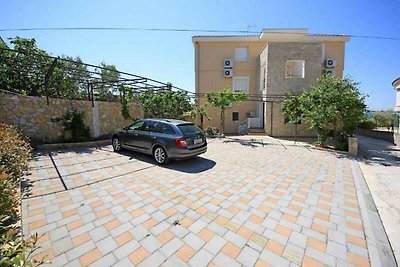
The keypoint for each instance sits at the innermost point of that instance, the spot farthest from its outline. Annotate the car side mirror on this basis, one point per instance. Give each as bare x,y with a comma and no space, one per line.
125,128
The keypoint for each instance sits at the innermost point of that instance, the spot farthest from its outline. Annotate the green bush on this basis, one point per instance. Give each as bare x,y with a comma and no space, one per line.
211,131
74,126
367,124
14,155
14,152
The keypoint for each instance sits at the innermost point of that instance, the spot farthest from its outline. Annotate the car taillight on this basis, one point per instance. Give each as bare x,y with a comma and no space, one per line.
181,142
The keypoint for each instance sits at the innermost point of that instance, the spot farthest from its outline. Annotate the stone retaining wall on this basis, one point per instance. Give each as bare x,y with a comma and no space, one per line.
388,136
39,120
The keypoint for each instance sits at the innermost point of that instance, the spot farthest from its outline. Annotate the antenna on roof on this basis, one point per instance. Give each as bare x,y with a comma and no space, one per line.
248,28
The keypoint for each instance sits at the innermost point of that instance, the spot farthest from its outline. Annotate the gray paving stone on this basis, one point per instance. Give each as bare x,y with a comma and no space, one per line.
106,245
357,250
171,247
179,231
293,254
222,260
125,262
269,234
121,229
80,250
106,261
248,256
215,244
197,226
201,258
194,241
174,261
98,233
155,259
298,239
320,256
337,237
58,233
139,232
235,239
62,245
150,243
126,249
159,228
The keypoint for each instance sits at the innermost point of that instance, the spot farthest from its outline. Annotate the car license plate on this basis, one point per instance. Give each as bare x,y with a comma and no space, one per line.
198,141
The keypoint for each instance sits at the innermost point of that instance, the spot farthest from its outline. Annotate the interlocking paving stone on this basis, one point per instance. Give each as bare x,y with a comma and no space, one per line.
235,205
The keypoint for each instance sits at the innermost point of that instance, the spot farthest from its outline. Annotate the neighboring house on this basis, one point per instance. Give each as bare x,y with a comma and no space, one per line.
396,85
266,67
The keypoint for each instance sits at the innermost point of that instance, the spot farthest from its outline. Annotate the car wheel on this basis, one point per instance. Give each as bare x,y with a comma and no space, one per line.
116,143
160,155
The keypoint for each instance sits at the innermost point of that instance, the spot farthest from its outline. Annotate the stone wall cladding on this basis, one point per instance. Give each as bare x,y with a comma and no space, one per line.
275,55
34,117
278,53
274,123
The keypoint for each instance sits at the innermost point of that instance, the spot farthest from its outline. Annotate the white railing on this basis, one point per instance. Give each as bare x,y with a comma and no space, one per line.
242,127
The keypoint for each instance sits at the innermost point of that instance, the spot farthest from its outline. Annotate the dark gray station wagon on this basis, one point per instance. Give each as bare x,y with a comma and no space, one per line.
163,138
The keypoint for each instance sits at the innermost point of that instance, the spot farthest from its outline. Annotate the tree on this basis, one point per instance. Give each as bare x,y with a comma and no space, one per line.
199,111
165,104
108,75
292,110
24,71
333,107
386,118
222,99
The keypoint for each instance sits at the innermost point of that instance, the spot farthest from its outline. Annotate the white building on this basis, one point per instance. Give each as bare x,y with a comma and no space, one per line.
396,85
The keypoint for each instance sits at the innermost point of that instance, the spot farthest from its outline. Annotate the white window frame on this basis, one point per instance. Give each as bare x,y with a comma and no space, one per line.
241,58
295,77
235,78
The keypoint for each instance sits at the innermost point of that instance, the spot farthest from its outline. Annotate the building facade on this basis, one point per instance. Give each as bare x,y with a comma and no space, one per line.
266,67
396,86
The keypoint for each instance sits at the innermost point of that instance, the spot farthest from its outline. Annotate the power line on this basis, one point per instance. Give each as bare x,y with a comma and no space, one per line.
180,30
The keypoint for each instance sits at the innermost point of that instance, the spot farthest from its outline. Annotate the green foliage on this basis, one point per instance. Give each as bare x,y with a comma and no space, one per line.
367,123
74,125
24,72
211,131
222,99
14,153
109,74
166,104
387,118
199,111
333,107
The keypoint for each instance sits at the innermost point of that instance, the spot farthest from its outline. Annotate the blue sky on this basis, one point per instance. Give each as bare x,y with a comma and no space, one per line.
169,56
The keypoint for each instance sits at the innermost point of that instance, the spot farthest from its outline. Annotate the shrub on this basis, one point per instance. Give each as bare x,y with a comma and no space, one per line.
367,124
74,125
14,154
211,131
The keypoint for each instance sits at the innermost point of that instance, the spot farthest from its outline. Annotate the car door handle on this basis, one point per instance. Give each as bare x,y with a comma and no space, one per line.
154,137
135,134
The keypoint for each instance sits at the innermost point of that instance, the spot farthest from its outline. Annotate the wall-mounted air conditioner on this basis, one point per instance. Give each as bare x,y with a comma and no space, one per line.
228,73
330,73
228,63
330,63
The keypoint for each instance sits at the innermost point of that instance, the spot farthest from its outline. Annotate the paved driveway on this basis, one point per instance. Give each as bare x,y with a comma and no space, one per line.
245,202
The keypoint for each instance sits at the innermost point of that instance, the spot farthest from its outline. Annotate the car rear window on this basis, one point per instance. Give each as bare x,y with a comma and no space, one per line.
189,128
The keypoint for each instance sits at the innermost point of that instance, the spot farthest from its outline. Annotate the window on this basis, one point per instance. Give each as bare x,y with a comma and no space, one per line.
235,116
294,68
164,128
136,125
149,126
241,84
241,53
189,129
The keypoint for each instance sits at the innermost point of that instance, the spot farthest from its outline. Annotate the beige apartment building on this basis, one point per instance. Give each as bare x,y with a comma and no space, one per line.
265,67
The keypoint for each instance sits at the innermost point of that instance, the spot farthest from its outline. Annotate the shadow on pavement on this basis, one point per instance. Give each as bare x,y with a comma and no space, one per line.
194,165
376,151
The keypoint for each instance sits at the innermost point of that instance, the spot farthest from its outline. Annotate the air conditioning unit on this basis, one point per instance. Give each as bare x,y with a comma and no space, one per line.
228,63
330,63
330,73
228,73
